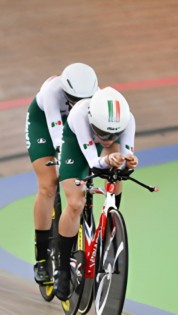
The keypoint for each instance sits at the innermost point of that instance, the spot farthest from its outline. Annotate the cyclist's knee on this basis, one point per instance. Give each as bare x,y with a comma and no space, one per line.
48,191
76,205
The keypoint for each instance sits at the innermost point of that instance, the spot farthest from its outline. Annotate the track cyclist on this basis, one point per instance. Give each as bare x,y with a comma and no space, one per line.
44,126
99,132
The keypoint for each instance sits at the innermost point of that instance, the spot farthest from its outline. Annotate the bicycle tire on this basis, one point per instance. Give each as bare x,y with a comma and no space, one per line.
47,291
87,294
112,267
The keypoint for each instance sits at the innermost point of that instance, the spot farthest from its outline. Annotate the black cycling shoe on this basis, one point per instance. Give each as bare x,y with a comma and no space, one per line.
62,284
41,273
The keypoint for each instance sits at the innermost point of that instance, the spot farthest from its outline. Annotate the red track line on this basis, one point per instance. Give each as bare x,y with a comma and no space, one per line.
145,84
121,87
15,103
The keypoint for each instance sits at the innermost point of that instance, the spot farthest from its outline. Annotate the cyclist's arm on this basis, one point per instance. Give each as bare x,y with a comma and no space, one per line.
52,100
127,140
78,123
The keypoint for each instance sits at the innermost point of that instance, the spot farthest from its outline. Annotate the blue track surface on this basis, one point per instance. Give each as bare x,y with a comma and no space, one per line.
27,182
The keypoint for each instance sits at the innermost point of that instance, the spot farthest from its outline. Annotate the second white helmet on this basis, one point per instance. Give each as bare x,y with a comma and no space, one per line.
109,112
79,80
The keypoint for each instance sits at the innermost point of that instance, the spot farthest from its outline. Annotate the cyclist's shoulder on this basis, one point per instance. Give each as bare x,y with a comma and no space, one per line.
51,93
78,115
52,85
80,108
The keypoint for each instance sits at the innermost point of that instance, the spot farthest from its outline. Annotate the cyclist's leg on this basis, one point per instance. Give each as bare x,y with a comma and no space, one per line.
75,201
72,162
47,184
47,291
40,150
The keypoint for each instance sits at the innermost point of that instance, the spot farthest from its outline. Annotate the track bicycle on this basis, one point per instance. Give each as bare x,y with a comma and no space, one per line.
103,267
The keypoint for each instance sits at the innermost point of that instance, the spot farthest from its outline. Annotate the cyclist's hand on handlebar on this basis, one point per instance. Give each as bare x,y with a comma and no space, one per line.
131,161
115,159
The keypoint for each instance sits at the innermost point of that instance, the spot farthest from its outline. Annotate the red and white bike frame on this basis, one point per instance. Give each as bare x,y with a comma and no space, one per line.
92,241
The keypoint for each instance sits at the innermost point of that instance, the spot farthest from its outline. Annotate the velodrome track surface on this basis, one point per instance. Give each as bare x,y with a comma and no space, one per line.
133,46
153,270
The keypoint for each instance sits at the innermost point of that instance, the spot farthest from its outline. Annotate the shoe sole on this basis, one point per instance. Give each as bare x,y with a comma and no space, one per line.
50,282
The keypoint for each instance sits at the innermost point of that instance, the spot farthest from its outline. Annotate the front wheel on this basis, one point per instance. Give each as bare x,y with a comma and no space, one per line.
112,267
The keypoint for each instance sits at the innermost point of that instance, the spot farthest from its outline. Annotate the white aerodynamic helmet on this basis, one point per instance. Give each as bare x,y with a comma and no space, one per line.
108,113
79,81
